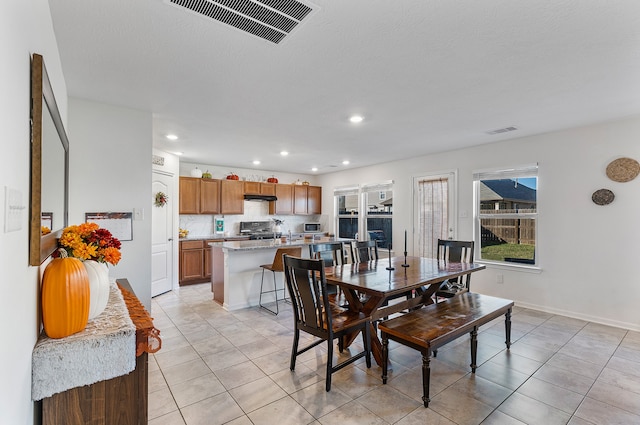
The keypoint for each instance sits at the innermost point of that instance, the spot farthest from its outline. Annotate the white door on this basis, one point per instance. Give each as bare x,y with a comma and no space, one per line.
162,244
434,212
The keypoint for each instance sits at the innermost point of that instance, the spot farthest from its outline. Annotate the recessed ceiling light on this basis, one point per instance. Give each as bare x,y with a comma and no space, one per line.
172,137
314,169
256,162
356,119
284,153
345,162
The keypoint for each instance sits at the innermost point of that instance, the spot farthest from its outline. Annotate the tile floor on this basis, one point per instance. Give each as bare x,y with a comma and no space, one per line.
217,367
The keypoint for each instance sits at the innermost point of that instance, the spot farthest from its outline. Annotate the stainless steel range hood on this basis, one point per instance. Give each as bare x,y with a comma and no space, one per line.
260,198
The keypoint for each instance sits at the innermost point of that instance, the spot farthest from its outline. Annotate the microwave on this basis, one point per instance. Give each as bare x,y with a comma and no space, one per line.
311,227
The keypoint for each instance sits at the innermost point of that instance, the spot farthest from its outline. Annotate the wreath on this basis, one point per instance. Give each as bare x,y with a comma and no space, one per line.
161,199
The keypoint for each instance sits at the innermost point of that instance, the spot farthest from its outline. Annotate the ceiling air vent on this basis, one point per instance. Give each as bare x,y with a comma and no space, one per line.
502,130
271,20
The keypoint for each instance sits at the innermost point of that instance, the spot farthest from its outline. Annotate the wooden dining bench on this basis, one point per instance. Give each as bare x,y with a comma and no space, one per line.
434,325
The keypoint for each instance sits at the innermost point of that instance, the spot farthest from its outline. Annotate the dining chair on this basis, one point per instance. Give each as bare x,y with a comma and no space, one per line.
365,251
457,252
332,253
316,315
277,266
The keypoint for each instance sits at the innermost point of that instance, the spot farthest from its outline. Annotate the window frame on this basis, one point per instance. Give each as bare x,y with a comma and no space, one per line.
522,171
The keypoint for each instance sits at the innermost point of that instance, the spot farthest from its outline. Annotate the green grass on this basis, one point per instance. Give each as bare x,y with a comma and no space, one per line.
500,252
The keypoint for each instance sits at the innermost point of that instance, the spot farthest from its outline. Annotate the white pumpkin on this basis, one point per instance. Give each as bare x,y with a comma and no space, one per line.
99,287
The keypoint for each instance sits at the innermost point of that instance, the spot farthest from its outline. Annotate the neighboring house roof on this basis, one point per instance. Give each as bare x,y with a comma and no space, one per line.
506,189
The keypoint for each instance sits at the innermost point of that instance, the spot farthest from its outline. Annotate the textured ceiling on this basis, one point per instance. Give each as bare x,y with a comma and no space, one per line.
428,75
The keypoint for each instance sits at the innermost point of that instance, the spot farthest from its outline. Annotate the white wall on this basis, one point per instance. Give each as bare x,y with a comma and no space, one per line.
25,28
587,253
110,171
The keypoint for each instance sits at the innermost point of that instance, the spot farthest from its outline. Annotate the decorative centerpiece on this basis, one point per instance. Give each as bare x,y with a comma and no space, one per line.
94,247
277,225
232,176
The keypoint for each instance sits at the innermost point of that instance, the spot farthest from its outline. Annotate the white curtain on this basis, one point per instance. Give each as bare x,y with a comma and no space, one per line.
433,205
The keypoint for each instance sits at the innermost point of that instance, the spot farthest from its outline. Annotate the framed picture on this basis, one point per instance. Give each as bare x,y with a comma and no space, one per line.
120,224
383,196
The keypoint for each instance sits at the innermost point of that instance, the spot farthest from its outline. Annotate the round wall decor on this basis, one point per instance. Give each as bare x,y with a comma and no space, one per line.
623,169
602,197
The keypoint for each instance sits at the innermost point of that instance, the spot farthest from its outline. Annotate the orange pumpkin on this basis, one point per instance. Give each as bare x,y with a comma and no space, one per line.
65,297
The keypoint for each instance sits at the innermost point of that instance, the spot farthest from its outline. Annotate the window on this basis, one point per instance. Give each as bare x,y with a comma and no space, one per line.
378,199
347,206
375,201
506,213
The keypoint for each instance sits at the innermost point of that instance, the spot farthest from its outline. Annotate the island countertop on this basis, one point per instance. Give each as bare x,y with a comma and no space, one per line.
271,243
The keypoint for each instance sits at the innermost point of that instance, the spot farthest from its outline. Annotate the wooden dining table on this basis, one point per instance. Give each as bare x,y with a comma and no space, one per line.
376,287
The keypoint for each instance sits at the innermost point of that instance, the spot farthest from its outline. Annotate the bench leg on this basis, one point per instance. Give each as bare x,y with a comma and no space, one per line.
474,348
507,328
385,356
426,376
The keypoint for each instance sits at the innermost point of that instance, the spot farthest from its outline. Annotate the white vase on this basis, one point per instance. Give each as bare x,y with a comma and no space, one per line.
99,287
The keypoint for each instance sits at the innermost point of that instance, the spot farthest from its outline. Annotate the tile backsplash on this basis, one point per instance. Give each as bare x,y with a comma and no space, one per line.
202,225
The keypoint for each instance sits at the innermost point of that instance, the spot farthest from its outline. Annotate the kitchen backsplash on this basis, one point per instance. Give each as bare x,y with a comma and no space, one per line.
203,225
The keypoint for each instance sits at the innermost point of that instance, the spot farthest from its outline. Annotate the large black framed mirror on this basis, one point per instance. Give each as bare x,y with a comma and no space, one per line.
49,167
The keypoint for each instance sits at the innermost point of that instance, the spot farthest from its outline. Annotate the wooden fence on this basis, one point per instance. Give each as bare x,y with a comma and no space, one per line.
508,230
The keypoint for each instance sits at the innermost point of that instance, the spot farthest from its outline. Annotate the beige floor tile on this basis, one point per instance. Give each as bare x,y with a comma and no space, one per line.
160,403
257,394
216,410
388,403
240,374
185,371
317,401
173,418
196,389
533,412
283,412
599,413
352,413
560,398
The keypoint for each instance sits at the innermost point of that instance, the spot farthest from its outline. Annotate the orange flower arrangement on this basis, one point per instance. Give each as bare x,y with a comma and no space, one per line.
88,241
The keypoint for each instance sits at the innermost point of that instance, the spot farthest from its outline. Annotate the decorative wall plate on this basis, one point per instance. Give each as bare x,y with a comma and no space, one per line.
623,169
602,197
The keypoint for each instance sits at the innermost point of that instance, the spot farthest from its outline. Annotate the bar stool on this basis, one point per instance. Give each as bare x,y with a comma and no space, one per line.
277,266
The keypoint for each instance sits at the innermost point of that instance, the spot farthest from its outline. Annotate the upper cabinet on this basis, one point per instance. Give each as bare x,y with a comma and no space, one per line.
199,196
212,196
189,195
232,197
209,196
284,204
307,200
257,188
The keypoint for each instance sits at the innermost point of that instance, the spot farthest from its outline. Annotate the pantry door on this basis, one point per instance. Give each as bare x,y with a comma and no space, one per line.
162,243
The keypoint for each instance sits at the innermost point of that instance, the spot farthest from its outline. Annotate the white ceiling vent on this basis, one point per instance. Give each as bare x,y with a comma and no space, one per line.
502,130
271,20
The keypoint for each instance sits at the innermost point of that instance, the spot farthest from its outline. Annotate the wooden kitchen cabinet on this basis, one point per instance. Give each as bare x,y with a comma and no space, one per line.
284,204
314,200
209,196
189,195
300,199
199,196
257,188
192,262
232,197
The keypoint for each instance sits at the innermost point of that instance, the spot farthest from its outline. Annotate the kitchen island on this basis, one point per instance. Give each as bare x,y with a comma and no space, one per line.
236,274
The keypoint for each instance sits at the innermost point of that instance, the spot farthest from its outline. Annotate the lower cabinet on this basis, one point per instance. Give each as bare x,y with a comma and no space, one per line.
193,258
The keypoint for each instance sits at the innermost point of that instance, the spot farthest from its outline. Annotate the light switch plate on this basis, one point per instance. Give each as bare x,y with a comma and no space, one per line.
13,209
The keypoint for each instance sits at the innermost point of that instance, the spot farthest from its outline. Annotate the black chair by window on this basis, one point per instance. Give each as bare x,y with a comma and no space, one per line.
365,251
456,252
276,266
316,315
332,253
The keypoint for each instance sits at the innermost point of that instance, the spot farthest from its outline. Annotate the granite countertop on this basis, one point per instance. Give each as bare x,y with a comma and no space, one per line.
211,237
271,243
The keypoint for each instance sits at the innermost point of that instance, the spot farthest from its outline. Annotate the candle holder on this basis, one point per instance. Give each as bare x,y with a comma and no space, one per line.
405,260
390,268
